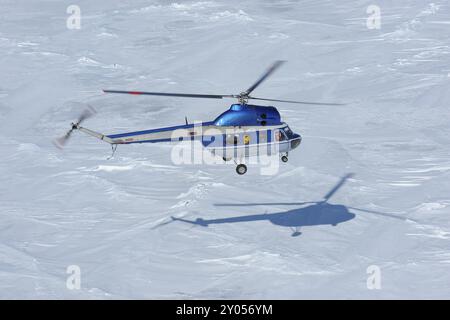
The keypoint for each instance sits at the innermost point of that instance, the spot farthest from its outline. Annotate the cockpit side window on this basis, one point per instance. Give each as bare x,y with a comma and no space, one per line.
280,135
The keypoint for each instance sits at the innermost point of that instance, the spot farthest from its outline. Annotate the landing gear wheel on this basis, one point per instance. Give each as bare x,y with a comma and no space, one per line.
241,169
284,159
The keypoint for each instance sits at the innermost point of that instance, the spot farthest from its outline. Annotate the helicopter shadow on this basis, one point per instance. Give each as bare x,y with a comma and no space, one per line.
308,214
312,215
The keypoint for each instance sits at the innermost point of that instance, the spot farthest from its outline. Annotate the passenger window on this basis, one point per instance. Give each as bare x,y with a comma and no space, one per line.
246,139
230,139
263,136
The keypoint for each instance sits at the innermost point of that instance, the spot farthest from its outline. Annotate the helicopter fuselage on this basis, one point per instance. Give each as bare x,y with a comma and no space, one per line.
241,131
243,140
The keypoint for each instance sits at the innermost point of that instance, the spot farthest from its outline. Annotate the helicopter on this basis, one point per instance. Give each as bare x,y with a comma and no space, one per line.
242,131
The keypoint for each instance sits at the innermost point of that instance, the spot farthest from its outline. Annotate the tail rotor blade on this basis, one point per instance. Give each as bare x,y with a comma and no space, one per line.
87,113
61,141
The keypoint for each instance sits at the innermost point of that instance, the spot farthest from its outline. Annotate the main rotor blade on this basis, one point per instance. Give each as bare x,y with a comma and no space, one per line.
269,71
301,102
385,214
263,204
168,94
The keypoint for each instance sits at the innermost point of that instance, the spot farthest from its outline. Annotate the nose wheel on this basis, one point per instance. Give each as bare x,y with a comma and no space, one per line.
241,169
284,158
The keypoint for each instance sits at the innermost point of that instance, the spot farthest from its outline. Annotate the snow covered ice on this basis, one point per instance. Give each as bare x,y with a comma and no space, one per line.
112,218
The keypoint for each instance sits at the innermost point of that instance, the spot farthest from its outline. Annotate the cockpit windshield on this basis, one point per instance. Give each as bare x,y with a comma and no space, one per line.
288,132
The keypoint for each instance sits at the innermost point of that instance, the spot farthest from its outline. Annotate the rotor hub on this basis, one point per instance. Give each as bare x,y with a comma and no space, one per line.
243,97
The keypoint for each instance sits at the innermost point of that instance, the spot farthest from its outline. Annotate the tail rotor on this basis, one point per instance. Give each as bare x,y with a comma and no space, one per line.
86,114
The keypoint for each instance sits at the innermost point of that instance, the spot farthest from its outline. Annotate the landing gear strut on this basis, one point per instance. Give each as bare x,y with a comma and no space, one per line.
241,169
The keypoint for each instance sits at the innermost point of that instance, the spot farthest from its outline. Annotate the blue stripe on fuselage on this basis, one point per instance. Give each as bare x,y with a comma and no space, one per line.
137,133
148,141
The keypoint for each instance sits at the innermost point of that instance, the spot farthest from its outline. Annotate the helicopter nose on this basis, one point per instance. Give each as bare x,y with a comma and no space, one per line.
296,140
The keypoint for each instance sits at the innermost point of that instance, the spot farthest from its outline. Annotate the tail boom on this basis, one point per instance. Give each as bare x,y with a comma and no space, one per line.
96,135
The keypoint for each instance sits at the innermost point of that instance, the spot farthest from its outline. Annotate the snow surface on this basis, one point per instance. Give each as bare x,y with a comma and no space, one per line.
112,218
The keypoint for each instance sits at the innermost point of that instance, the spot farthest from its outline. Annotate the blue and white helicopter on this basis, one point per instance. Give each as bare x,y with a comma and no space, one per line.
243,131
